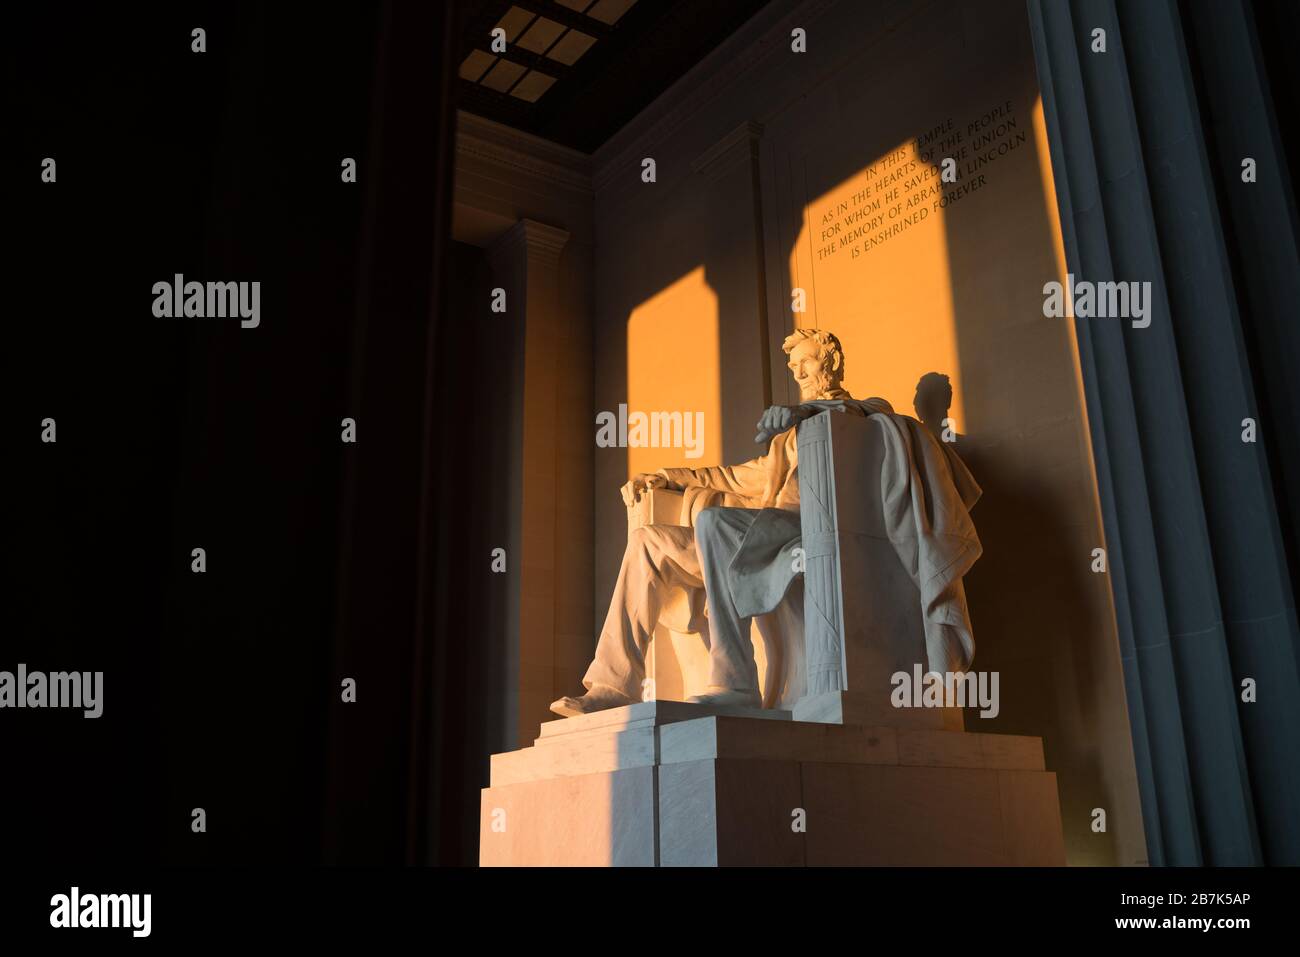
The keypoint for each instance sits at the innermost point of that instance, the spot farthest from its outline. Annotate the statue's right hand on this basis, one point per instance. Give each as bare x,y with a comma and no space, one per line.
639,484
777,418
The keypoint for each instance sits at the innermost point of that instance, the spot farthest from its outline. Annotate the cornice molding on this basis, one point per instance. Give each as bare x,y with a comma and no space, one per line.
483,140
740,145
539,243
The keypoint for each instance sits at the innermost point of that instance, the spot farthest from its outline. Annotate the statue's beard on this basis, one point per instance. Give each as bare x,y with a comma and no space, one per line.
817,387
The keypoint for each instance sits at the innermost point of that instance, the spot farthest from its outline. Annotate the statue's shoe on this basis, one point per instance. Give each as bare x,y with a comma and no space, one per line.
599,698
730,697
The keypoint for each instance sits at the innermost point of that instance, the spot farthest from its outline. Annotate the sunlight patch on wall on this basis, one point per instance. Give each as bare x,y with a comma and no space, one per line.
872,258
673,366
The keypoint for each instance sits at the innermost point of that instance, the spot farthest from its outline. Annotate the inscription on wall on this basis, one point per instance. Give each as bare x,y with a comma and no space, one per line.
905,188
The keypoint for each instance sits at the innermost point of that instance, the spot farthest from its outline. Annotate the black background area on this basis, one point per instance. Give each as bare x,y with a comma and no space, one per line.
221,690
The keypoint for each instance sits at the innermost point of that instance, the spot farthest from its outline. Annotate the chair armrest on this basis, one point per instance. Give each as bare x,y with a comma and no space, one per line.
657,506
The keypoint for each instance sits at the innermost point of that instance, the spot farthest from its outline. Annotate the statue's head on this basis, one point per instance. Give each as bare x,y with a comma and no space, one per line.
816,362
933,399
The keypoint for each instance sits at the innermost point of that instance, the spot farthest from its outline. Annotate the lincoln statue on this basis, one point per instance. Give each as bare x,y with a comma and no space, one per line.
740,559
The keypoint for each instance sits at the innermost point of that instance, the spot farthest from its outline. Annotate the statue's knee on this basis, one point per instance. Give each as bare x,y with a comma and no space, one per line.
646,542
706,522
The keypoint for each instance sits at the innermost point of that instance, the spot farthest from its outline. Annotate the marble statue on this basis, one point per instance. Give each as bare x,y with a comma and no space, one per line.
739,560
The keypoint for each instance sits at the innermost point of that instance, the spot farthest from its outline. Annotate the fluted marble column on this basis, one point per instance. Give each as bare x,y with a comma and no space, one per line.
1195,545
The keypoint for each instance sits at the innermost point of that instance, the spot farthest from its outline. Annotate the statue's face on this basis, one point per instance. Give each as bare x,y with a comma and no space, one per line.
807,367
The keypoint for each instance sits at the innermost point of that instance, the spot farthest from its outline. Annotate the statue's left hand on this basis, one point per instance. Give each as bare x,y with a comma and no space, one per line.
777,419
641,483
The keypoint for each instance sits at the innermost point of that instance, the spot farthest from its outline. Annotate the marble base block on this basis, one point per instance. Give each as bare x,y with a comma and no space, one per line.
848,707
673,784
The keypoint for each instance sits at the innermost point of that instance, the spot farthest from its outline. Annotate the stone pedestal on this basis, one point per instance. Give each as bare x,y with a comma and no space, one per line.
864,710
665,783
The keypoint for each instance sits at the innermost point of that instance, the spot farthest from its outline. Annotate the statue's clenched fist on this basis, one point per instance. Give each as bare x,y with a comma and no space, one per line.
640,483
778,418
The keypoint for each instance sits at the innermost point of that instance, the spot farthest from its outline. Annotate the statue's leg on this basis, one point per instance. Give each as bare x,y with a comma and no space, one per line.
718,534
782,632
657,559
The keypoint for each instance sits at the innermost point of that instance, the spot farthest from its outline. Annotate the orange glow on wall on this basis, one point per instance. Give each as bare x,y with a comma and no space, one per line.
673,366
1058,248
891,303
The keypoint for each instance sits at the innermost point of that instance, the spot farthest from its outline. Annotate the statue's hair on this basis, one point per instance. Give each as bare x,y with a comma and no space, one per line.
832,352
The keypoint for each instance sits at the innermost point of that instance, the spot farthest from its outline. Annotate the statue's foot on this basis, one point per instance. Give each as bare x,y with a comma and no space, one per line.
599,698
730,697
